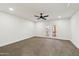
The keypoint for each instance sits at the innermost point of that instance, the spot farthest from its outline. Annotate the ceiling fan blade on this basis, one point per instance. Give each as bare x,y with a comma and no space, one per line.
46,16
43,18
36,16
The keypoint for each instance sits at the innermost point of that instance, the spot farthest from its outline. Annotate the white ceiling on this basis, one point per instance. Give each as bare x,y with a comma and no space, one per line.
28,10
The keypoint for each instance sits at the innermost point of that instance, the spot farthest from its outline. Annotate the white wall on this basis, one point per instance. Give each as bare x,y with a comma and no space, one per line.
14,29
75,29
63,28
40,29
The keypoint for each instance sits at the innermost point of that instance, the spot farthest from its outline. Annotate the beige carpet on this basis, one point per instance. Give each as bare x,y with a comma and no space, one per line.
38,46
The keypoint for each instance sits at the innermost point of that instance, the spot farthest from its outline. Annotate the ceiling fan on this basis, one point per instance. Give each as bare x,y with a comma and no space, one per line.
41,16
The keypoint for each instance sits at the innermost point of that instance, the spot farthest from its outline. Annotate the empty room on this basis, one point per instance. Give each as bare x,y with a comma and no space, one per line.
39,29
